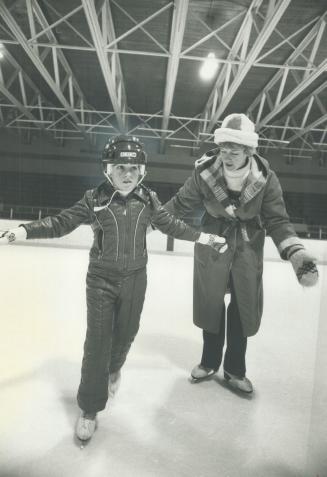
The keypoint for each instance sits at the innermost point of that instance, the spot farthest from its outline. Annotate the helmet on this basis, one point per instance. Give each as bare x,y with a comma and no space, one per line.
124,150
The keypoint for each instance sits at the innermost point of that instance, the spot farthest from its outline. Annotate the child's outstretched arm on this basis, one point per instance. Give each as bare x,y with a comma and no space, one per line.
170,225
49,227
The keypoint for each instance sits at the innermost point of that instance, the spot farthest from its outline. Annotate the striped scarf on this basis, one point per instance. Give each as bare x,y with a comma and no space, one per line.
213,176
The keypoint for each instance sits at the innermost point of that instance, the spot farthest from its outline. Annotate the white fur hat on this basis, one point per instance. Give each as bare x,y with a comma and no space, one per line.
237,128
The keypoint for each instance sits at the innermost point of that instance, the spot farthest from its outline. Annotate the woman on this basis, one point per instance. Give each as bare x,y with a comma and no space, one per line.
243,201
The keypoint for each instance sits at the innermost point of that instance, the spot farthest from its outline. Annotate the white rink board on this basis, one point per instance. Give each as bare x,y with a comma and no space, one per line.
157,242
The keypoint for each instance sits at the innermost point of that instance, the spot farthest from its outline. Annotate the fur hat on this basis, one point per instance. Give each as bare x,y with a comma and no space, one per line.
237,128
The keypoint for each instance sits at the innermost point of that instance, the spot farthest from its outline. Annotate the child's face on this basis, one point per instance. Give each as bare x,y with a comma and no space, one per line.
125,176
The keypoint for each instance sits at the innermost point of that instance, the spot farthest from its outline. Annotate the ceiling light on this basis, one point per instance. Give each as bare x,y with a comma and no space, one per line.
273,140
186,147
290,156
209,67
1,55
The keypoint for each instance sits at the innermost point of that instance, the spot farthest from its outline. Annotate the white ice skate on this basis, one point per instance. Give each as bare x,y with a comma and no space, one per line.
85,426
200,373
240,384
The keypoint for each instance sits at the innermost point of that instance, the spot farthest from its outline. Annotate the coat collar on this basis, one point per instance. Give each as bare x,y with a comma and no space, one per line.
211,170
106,193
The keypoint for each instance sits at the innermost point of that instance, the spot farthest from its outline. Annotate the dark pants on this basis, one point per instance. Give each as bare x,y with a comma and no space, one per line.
114,307
213,344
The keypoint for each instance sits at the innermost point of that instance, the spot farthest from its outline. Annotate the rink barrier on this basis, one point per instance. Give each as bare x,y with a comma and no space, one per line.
82,238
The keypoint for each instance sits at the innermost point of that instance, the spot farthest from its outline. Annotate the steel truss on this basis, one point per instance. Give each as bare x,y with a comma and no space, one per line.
280,124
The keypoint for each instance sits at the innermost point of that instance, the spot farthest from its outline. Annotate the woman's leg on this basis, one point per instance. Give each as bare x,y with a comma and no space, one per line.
234,361
213,345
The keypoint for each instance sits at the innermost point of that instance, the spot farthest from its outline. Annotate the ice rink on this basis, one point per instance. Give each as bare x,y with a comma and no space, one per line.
160,424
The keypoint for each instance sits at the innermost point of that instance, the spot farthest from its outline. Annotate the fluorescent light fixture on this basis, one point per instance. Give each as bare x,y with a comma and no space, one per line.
291,156
273,140
154,129
1,55
185,147
209,67
95,125
42,121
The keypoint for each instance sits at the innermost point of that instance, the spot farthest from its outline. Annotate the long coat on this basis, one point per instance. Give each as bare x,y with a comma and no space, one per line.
261,210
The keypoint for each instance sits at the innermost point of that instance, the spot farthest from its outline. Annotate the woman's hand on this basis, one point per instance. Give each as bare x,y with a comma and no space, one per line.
304,265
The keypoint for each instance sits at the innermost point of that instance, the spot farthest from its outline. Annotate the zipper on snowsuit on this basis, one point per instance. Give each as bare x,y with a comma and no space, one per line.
136,225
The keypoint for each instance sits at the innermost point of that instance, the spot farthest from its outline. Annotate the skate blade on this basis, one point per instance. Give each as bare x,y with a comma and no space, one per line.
200,380
82,443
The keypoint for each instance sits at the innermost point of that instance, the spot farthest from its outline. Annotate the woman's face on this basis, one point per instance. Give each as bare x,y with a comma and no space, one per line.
233,156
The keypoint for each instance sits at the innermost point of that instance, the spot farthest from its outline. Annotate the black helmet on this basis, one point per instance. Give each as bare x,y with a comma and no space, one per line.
124,150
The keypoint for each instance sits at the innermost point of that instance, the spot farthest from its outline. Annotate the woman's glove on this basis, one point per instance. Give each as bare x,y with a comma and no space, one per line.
304,265
10,236
214,241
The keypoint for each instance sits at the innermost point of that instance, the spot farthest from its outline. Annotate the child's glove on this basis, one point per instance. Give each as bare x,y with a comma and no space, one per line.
214,241
10,236
304,265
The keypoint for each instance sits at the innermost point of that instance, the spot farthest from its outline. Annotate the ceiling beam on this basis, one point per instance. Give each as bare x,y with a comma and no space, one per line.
139,25
272,20
279,75
20,106
294,94
114,82
108,34
176,41
223,61
52,38
36,60
308,128
27,87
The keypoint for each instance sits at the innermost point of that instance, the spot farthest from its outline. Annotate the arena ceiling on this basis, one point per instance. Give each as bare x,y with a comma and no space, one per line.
86,69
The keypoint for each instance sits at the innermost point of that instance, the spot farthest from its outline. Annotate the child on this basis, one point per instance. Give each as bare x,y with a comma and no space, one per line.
119,212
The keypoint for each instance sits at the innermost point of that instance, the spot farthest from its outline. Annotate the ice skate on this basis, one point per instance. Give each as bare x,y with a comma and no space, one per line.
85,427
200,373
114,383
240,384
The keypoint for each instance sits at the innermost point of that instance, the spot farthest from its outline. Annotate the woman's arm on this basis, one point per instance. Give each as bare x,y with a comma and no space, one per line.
275,217
189,198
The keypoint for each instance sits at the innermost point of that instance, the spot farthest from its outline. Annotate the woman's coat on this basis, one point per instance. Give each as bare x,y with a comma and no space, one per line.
261,211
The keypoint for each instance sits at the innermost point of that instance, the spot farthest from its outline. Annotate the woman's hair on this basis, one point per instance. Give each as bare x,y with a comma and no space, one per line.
249,150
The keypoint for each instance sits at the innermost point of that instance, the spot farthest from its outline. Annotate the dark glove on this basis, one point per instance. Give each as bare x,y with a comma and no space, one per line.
154,199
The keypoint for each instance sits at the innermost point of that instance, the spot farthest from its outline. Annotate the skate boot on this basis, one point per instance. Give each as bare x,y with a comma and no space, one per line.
114,383
85,426
240,384
200,373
